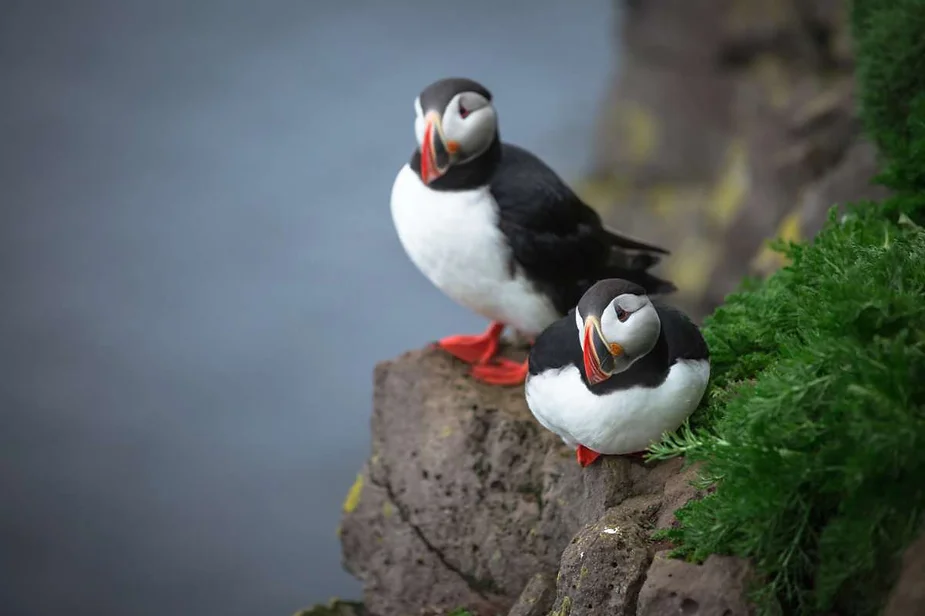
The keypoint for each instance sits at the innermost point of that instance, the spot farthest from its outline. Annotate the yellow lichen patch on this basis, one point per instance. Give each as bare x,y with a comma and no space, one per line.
584,572
353,495
387,509
667,201
692,271
566,608
769,71
820,105
446,431
729,192
641,132
663,200
601,193
768,260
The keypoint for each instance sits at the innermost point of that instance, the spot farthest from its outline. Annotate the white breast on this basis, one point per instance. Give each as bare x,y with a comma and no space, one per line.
620,422
453,238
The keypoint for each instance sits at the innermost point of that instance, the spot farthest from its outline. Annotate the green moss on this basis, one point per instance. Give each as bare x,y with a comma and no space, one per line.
813,433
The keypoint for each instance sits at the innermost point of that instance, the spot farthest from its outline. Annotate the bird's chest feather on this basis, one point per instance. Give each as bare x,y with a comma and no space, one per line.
620,422
452,237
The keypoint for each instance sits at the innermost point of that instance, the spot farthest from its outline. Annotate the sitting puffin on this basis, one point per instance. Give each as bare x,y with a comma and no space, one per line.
497,230
617,372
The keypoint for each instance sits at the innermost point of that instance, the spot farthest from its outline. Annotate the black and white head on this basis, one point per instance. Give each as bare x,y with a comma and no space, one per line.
617,325
454,123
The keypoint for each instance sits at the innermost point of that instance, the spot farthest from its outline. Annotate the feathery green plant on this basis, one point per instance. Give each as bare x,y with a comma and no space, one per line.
813,434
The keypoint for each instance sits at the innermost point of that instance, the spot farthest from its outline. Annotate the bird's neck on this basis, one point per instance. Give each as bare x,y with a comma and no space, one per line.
468,175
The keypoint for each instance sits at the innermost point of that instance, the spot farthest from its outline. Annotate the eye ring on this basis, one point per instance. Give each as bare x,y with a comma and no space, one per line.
622,315
463,112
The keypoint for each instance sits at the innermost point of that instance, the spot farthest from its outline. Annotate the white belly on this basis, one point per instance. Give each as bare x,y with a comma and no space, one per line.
453,239
621,422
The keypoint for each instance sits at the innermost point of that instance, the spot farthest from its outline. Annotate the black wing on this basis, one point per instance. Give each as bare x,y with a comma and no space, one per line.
556,347
681,335
557,238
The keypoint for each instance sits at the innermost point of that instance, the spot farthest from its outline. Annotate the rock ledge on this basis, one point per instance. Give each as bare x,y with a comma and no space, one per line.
467,502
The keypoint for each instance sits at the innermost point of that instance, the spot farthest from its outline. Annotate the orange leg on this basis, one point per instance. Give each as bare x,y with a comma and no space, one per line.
474,349
501,372
585,456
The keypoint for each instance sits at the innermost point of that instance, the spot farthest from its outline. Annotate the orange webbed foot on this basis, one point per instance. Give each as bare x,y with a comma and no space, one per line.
586,456
501,372
474,349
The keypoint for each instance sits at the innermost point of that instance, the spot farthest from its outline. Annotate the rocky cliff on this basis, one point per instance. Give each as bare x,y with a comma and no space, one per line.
466,502
729,122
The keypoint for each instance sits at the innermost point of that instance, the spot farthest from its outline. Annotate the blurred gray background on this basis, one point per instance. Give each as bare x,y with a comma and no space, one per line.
200,271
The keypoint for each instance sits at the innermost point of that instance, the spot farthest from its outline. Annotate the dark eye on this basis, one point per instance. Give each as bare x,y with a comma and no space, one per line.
622,315
463,112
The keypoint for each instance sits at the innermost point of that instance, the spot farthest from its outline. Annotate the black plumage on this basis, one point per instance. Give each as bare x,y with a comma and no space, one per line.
556,238
559,347
560,241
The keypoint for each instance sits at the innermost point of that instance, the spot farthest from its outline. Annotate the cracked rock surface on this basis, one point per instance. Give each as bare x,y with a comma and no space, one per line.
466,498
718,587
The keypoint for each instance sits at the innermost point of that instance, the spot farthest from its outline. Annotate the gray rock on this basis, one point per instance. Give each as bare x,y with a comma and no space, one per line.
718,587
605,564
466,497
537,598
908,596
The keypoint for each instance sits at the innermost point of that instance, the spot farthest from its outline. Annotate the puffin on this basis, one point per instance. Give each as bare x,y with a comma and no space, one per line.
496,229
617,372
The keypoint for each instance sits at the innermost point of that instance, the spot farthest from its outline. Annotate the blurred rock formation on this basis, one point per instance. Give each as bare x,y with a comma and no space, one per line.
730,122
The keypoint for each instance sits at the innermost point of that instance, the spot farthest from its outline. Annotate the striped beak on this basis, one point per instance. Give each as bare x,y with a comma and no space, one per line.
437,153
599,355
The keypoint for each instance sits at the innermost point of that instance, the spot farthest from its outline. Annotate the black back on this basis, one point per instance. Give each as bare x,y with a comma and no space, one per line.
558,347
558,239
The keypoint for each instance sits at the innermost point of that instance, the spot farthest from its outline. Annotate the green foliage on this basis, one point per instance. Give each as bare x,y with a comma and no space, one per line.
814,434
891,73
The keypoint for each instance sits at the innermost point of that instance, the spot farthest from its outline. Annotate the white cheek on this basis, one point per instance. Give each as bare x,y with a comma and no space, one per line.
419,129
454,127
479,131
610,326
579,325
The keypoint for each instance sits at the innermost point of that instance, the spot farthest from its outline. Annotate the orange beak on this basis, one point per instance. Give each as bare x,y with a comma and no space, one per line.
597,353
437,153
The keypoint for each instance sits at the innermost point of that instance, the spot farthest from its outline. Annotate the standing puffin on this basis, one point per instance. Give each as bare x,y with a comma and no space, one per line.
617,372
497,230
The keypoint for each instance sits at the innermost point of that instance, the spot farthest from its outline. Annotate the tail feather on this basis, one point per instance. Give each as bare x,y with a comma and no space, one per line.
621,241
634,266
